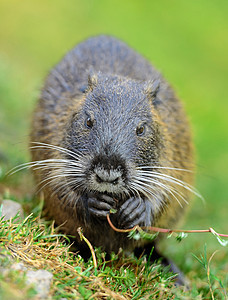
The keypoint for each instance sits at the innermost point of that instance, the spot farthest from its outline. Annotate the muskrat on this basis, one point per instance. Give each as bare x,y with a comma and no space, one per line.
109,133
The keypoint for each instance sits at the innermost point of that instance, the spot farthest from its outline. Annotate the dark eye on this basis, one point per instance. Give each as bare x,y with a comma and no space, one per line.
89,123
140,130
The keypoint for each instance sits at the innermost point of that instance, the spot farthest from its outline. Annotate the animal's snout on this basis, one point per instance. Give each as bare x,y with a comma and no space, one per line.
107,174
110,177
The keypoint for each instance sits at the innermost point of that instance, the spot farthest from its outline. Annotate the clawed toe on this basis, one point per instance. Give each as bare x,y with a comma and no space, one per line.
132,212
100,207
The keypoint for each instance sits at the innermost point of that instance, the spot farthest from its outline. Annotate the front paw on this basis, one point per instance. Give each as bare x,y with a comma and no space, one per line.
100,206
133,212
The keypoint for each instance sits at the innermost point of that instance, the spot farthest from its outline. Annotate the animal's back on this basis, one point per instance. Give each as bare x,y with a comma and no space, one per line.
103,53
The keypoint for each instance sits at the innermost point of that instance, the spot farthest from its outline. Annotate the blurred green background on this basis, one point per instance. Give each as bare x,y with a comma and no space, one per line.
186,40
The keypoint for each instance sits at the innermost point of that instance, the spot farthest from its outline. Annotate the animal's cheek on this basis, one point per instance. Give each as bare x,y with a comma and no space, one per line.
133,212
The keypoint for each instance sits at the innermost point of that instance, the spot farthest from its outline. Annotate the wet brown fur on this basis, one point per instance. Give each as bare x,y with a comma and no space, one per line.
61,97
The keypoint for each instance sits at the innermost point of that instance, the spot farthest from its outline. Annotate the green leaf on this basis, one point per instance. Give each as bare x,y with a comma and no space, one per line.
148,236
221,241
181,236
113,211
217,279
134,235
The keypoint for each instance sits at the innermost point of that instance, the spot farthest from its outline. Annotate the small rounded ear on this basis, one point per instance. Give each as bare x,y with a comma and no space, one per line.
92,80
91,83
152,88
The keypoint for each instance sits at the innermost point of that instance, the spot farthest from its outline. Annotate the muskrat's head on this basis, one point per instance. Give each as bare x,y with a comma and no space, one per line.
115,131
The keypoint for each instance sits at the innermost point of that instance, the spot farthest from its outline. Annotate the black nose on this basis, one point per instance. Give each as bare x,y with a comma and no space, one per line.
101,179
108,170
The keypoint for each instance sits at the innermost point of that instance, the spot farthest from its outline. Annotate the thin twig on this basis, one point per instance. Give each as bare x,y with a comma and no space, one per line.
121,230
163,230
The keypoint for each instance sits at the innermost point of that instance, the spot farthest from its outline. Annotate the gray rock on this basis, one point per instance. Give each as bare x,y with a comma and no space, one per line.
18,267
15,266
41,280
10,209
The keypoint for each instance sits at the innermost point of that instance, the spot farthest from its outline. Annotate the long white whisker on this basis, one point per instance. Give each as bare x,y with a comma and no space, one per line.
149,194
60,149
166,168
134,190
46,162
56,176
170,179
148,173
149,188
168,188
60,168
76,183
152,176
51,179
